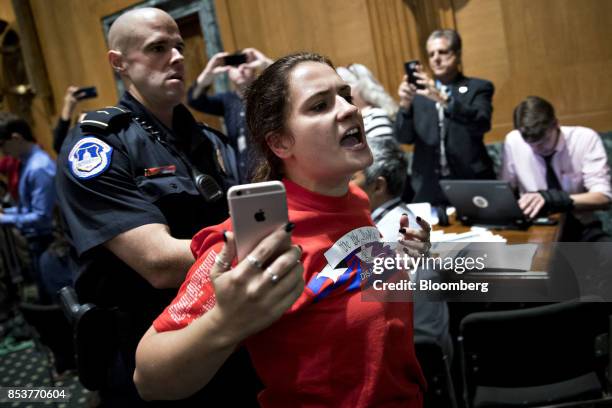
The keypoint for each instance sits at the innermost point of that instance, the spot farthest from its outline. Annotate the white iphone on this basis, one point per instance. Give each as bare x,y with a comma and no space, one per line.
256,210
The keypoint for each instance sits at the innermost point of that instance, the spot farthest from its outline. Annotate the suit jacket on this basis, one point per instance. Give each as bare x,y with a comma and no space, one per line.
467,119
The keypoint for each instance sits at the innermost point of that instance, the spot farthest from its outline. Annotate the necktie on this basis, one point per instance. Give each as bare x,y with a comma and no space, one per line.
444,168
552,182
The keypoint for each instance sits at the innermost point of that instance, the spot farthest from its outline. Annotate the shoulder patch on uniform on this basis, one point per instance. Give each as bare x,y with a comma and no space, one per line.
105,119
89,157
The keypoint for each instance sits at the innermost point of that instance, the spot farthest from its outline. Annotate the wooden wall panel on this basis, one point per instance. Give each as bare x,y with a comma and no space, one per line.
195,60
39,111
396,39
557,49
339,29
74,49
74,46
6,11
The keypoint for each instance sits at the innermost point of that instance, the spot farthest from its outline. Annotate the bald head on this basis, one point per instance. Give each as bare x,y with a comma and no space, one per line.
146,50
127,29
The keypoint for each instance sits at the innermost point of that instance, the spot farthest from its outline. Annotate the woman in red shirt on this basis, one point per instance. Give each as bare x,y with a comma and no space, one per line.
313,340
9,166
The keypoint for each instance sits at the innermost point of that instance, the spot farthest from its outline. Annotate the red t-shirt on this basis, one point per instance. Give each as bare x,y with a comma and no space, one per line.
330,349
10,166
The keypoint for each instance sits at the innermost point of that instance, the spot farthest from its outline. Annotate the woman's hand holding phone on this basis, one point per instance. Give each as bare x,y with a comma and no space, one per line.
254,294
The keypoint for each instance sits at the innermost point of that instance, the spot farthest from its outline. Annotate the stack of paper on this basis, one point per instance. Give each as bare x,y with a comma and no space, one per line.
499,257
476,234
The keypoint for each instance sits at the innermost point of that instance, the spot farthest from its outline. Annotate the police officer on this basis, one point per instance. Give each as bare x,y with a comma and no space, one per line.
135,183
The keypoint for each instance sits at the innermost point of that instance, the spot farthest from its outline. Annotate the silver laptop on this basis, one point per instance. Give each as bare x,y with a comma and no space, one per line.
485,202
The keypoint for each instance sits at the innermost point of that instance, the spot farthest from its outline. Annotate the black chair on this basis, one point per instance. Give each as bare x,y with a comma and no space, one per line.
538,356
51,329
11,276
598,403
436,369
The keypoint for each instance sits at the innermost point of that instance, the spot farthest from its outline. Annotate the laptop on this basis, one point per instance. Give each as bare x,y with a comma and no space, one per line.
489,203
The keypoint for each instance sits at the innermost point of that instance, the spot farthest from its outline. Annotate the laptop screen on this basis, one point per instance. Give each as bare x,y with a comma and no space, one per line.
484,202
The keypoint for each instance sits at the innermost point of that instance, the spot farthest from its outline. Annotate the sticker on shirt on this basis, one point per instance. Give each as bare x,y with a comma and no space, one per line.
347,261
89,158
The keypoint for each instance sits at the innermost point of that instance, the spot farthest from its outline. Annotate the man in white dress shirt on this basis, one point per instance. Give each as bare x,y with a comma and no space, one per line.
557,169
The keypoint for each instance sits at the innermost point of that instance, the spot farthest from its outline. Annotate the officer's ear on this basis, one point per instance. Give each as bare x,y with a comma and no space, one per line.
281,145
380,185
116,60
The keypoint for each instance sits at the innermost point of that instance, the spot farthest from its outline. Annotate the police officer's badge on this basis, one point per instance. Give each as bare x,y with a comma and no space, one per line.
89,157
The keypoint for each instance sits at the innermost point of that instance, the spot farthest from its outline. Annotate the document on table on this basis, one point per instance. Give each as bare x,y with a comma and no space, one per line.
480,242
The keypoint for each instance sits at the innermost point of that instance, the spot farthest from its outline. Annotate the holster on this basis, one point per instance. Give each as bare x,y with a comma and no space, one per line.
95,336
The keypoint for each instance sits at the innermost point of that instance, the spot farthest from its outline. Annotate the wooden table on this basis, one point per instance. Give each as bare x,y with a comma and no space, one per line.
544,235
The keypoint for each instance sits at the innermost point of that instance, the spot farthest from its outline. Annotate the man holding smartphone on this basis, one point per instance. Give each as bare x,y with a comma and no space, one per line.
242,68
446,120
136,182
72,98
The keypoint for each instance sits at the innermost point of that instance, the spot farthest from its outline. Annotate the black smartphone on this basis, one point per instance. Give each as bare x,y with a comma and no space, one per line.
235,59
411,68
86,92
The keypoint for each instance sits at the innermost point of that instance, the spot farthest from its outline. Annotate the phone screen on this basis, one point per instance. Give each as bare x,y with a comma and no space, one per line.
235,59
410,68
86,92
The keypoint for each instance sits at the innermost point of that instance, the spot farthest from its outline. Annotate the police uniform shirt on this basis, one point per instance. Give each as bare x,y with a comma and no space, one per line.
137,173
111,182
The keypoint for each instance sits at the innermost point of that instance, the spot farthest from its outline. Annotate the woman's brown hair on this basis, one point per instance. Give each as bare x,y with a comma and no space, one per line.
267,108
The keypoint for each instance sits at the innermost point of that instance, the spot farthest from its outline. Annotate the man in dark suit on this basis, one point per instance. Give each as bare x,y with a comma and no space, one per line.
445,117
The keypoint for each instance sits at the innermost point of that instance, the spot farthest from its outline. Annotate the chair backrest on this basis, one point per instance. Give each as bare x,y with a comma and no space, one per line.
533,347
436,369
598,403
51,330
50,323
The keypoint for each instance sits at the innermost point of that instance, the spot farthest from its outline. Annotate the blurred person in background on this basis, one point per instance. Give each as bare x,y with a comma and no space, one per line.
383,182
72,97
9,167
33,214
230,104
377,106
445,120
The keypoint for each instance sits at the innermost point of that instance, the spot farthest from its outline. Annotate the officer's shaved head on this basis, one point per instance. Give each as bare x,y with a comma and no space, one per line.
126,30
146,50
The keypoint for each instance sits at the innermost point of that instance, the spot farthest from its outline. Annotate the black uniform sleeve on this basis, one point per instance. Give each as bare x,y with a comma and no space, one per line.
99,208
